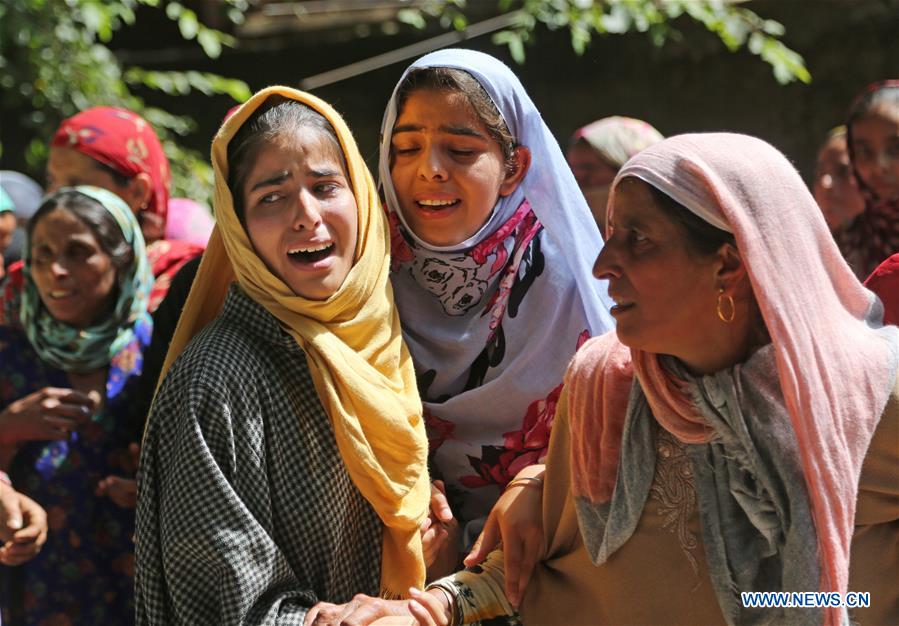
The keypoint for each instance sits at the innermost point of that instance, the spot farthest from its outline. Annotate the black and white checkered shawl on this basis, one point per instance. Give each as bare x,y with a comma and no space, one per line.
246,514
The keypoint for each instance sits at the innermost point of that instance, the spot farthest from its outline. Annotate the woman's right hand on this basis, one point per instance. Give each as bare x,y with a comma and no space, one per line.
516,521
23,526
48,414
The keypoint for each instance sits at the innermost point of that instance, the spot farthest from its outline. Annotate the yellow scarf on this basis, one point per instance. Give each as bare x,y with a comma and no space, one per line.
357,358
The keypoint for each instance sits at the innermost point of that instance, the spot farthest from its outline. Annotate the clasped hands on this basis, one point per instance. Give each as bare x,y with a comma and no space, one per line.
515,521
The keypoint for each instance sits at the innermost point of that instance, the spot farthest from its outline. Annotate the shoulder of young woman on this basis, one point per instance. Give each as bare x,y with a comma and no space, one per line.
221,356
213,391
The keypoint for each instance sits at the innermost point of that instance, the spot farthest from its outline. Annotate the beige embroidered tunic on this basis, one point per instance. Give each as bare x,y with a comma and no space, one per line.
659,576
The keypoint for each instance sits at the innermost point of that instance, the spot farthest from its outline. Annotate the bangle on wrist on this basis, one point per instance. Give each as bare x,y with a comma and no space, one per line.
525,481
455,608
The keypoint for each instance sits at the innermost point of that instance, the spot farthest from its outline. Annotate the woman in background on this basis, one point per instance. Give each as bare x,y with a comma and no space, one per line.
835,187
873,135
69,374
117,150
598,150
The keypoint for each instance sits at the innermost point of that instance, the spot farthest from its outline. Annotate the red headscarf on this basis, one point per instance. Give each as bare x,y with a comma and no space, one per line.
128,144
123,141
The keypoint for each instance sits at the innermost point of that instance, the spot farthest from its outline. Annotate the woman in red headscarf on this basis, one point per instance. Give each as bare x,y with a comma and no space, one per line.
117,150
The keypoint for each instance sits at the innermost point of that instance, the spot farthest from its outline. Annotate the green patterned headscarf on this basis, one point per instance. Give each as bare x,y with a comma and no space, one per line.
86,349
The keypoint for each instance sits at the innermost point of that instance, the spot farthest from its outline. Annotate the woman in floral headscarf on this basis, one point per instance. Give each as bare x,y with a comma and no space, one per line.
66,379
491,250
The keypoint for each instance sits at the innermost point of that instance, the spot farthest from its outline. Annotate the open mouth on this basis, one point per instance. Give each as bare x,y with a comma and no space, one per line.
436,205
59,294
311,254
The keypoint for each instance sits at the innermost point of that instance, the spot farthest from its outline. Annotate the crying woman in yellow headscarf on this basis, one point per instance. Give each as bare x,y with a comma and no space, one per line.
284,462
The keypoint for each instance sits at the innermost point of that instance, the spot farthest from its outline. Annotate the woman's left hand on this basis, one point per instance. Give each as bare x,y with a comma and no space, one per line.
424,608
359,611
122,491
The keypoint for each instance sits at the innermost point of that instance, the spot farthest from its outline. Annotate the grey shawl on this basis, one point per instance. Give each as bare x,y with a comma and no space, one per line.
754,509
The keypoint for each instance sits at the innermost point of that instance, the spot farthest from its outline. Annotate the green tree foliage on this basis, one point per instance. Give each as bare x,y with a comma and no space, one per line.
736,26
54,62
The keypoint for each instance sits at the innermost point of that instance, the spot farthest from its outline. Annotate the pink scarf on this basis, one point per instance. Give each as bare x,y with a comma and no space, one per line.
835,372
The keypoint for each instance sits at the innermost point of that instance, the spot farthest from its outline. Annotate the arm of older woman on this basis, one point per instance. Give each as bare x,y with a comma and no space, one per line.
874,560
463,598
516,522
47,414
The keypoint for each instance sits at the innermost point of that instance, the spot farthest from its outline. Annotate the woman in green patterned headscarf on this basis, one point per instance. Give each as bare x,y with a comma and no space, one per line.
67,382
74,347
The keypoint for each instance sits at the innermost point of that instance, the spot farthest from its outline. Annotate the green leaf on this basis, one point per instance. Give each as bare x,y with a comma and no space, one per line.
173,10
412,17
787,64
580,38
188,24
512,40
773,28
92,17
211,44
236,16
756,42
182,83
616,21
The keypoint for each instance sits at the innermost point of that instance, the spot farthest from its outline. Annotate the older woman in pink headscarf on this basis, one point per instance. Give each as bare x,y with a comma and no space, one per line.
735,434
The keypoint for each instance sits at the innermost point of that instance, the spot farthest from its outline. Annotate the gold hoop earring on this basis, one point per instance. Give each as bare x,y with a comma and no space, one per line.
723,297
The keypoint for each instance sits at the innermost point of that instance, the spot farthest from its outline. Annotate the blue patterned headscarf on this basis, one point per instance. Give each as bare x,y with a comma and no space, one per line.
86,349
